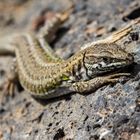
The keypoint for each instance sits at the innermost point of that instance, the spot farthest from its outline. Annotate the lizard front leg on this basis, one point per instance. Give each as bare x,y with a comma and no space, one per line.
93,84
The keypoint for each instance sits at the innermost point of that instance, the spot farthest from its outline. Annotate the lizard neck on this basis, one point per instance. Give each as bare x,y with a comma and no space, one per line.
74,67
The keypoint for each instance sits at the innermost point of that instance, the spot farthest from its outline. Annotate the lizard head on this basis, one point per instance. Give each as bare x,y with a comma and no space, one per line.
104,58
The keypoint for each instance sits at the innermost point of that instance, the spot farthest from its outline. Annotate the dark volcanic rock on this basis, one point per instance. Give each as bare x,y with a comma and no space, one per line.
110,113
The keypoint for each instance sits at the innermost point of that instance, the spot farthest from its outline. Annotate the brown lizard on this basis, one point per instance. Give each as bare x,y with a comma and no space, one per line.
45,75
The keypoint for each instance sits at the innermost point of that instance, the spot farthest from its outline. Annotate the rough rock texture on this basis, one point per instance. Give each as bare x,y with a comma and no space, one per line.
110,113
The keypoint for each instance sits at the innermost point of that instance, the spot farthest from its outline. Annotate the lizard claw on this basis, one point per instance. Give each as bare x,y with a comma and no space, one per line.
9,88
8,91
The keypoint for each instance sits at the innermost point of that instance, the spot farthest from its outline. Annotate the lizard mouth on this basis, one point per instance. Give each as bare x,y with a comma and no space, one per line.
103,68
122,63
118,65
114,67
115,63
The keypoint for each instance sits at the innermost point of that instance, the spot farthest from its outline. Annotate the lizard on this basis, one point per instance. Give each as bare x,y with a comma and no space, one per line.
43,74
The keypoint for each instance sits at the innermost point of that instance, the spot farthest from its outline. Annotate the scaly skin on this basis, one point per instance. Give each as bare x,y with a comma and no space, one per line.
40,79
46,76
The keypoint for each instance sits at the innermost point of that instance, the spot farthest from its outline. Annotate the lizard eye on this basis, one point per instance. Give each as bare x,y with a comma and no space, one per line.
105,59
